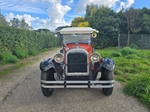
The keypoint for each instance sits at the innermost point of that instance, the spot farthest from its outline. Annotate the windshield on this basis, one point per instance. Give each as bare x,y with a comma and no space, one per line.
77,38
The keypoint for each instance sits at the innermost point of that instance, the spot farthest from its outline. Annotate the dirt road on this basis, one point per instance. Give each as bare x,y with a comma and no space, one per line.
20,92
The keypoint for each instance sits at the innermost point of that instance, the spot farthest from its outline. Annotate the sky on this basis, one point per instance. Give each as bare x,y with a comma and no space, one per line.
51,14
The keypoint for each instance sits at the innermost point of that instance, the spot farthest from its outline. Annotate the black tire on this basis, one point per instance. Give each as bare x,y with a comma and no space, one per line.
47,75
107,75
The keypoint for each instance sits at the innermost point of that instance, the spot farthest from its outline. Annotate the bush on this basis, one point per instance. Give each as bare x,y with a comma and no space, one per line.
33,52
127,50
134,46
20,53
116,54
7,57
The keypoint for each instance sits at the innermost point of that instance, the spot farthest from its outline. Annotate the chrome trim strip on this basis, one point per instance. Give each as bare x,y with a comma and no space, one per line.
72,82
52,82
104,82
77,86
57,86
77,74
102,86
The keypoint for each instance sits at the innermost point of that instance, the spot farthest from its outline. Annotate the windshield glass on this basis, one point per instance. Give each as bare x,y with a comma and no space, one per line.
77,38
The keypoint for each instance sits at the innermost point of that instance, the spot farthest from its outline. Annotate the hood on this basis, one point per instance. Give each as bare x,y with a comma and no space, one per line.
87,47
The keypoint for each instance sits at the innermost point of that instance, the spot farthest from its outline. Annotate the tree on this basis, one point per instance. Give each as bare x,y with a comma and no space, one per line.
146,23
144,19
24,25
43,30
90,10
131,16
106,21
79,22
3,20
15,23
61,27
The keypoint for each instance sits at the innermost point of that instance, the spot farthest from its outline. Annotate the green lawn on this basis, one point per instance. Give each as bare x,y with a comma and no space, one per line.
133,69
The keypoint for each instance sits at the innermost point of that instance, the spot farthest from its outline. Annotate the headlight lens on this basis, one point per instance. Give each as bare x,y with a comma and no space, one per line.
59,57
95,57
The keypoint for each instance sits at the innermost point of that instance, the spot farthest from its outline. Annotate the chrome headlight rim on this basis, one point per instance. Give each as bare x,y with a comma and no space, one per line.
95,57
59,57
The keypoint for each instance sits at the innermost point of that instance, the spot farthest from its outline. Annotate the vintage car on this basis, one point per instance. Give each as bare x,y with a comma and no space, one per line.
77,65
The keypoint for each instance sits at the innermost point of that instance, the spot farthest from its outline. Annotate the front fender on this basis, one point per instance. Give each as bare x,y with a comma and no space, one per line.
46,64
49,63
108,64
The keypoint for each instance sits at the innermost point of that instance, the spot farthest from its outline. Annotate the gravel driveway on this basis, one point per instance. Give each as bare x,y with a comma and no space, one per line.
20,92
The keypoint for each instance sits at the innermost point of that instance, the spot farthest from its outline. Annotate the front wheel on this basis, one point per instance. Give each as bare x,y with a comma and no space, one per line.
47,76
107,75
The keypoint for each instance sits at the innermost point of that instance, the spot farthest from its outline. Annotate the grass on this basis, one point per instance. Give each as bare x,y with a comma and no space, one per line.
8,58
133,69
16,66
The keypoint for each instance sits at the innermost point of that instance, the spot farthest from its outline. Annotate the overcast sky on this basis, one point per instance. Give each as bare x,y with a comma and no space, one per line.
51,14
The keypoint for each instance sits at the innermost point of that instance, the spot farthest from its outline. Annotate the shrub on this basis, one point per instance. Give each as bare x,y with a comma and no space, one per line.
116,54
33,52
127,50
134,46
45,49
7,57
20,53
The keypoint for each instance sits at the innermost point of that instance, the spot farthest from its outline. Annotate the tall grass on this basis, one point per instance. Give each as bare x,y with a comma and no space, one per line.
133,69
7,57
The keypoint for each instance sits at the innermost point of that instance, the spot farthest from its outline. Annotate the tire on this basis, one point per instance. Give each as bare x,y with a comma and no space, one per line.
107,75
48,76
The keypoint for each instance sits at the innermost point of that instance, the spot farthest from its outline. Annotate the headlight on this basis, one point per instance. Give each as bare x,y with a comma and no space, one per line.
59,57
95,57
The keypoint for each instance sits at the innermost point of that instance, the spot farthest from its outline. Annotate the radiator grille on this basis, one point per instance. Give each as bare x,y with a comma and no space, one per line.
77,62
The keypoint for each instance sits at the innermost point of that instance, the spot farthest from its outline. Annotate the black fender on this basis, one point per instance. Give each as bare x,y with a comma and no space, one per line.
49,63
108,64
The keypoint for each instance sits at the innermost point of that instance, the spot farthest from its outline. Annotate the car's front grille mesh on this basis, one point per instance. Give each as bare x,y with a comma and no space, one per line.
77,62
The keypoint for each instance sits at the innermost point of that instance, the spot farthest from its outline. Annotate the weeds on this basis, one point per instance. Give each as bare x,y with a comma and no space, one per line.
7,57
33,52
21,53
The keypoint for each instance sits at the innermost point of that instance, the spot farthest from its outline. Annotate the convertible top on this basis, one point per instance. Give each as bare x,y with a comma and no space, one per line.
74,30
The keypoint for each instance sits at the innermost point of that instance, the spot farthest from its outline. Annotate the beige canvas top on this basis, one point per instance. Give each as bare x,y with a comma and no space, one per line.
74,30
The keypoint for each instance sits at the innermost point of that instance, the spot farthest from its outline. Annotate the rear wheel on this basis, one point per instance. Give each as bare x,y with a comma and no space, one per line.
107,75
47,76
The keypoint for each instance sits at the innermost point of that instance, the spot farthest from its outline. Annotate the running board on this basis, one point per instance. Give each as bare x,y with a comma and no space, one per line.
77,84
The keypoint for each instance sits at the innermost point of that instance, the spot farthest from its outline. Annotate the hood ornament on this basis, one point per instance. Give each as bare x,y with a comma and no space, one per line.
77,45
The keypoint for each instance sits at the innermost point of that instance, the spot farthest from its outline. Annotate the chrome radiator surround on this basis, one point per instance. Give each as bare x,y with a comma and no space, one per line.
76,73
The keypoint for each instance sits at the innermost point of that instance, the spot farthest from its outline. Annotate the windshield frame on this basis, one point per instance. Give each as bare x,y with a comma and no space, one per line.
76,37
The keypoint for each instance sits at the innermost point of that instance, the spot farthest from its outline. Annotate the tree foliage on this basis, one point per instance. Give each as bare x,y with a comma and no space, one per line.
111,23
79,22
3,20
105,20
16,23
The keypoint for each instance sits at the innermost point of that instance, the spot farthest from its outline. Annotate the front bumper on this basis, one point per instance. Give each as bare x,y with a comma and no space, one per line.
77,84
